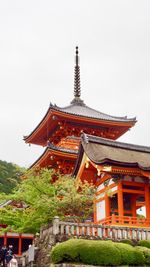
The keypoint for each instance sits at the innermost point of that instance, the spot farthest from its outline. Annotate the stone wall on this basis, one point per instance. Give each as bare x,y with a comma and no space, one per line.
44,243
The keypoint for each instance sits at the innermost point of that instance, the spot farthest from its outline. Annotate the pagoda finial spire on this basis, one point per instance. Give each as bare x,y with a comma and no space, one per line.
77,89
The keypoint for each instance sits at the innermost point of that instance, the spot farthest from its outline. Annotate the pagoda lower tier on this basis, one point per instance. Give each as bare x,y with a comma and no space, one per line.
60,159
121,175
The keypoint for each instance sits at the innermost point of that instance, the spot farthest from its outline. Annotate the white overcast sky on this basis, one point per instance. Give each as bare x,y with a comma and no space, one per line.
37,46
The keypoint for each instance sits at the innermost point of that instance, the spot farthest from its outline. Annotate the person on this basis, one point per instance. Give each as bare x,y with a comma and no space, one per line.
9,254
13,262
3,252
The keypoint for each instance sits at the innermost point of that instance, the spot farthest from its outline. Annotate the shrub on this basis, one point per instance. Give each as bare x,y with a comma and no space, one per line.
95,252
86,251
144,243
146,253
127,241
129,254
67,251
100,253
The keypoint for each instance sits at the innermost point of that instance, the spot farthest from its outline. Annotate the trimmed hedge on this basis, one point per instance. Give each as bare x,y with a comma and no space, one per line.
146,253
144,243
67,251
127,241
99,253
96,252
130,255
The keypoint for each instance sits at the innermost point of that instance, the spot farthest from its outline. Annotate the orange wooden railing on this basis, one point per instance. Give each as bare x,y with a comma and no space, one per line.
125,220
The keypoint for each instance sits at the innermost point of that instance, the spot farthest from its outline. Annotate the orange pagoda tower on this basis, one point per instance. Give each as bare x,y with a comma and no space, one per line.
60,129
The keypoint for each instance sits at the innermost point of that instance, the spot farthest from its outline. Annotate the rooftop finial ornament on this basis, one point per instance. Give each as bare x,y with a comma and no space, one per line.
77,90
77,58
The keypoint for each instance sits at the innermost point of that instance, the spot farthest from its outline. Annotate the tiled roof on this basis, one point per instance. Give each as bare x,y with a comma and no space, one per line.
87,138
53,147
67,150
80,109
105,151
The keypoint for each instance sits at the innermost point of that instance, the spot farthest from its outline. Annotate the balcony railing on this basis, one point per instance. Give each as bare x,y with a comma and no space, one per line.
126,221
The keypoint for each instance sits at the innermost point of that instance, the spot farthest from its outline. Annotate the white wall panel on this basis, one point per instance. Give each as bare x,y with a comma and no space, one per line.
100,210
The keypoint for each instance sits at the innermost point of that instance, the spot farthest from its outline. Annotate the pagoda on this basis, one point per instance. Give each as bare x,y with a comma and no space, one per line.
60,129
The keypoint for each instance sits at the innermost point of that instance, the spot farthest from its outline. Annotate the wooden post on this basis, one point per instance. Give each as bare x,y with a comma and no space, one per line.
107,206
120,201
147,201
113,220
95,212
5,239
20,243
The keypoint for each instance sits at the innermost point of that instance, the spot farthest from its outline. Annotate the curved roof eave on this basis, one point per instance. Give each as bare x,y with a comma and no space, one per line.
102,116
123,164
51,147
28,136
104,151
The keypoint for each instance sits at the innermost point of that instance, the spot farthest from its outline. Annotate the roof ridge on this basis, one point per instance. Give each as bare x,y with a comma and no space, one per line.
112,116
100,140
89,108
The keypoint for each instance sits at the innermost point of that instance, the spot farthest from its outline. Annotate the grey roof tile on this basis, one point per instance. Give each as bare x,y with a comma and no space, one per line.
80,109
105,151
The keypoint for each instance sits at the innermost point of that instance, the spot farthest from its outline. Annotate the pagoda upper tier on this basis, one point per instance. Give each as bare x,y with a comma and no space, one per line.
61,122
75,119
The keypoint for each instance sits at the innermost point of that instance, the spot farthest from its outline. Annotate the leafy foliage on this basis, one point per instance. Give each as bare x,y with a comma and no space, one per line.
45,199
96,252
9,176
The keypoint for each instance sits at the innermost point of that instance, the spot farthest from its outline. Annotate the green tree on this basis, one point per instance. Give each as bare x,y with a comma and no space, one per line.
9,176
45,199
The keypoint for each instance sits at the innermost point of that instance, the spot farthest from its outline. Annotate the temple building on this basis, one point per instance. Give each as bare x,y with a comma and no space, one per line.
81,141
121,174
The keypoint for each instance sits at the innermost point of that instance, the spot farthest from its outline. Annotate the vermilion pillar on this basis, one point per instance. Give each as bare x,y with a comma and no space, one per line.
147,201
120,200
107,206
5,239
95,212
19,246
